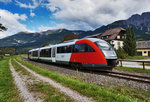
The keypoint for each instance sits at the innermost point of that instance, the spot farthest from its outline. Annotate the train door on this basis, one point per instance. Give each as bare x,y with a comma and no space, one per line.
54,54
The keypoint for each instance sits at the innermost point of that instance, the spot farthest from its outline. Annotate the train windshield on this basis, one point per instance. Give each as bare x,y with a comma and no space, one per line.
103,45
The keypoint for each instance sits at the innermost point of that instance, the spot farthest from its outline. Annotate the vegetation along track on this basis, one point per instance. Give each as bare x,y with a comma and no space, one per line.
137,78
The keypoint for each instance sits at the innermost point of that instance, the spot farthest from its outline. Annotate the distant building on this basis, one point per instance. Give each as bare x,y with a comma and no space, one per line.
143,48
7,54
114,36
93,36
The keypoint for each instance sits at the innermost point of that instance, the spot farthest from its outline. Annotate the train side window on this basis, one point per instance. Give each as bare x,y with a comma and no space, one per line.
35,53
42,53
46,52
62,49
68,49
58,50
75,48
82,47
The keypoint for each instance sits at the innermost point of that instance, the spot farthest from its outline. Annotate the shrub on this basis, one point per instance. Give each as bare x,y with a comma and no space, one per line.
1,57
121,53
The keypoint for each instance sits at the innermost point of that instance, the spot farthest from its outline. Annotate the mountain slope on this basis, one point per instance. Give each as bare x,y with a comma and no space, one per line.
140,23
23,41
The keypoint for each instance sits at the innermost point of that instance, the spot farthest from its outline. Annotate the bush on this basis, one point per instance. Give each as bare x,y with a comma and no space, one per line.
1,57
121,53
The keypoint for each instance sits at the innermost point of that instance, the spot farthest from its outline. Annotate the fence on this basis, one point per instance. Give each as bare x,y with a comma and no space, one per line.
134,61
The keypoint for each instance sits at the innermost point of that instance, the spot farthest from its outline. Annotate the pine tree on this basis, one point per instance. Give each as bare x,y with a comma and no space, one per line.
130,42
2,28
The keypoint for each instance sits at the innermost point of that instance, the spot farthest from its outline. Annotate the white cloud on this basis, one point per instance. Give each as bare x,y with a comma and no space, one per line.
89,14
11,21
32,14
31,6
5,1
45,28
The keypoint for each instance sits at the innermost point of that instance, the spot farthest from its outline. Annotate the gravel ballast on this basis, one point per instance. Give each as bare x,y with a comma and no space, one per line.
93,78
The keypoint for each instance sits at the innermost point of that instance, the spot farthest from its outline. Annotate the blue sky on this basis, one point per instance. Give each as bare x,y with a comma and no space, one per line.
41,15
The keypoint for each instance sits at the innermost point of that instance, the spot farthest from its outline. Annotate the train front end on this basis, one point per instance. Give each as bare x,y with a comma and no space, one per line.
108,52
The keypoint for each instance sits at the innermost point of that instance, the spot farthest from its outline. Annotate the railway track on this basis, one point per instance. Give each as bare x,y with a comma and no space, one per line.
137,78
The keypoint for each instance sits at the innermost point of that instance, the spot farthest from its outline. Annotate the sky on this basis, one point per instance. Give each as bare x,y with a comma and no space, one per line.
42,15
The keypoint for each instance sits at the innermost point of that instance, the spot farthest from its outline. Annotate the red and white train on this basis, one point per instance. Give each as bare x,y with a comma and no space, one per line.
89,53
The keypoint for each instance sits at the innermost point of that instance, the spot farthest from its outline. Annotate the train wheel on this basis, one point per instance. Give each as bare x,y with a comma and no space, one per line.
76,66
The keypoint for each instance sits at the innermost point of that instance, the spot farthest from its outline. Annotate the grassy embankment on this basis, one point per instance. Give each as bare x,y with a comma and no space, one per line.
137,70
99,93
8,92
133,70
48,93
136,57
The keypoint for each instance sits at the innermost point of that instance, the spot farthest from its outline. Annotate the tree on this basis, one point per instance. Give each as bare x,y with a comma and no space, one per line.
4,51
121,53
70,37
130,42
2,28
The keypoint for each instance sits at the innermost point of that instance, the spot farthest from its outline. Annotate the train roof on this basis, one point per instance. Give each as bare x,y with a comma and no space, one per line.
69,42
34,49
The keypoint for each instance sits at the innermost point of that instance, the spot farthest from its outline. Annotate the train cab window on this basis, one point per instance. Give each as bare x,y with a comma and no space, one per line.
88,48
103,45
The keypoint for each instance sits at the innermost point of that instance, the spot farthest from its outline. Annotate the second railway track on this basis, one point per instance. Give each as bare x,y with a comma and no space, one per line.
138,78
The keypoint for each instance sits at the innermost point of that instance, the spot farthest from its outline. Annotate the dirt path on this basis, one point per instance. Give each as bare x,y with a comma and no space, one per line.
71,93
21,85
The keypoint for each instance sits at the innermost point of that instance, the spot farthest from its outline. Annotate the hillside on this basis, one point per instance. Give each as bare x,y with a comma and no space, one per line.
24,41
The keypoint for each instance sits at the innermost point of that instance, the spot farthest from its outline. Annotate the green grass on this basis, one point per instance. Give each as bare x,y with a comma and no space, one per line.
1,57
8,92
143,95
146,64
98,93
137,57
137,70
48,93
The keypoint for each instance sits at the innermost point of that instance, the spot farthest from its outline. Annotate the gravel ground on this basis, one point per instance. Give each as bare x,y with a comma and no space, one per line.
69,92
93,78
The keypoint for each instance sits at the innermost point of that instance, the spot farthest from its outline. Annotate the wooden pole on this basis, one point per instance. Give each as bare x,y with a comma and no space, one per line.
143,66
121,62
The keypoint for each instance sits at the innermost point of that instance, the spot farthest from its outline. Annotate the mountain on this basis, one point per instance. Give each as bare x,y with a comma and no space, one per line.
24,41
140,23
